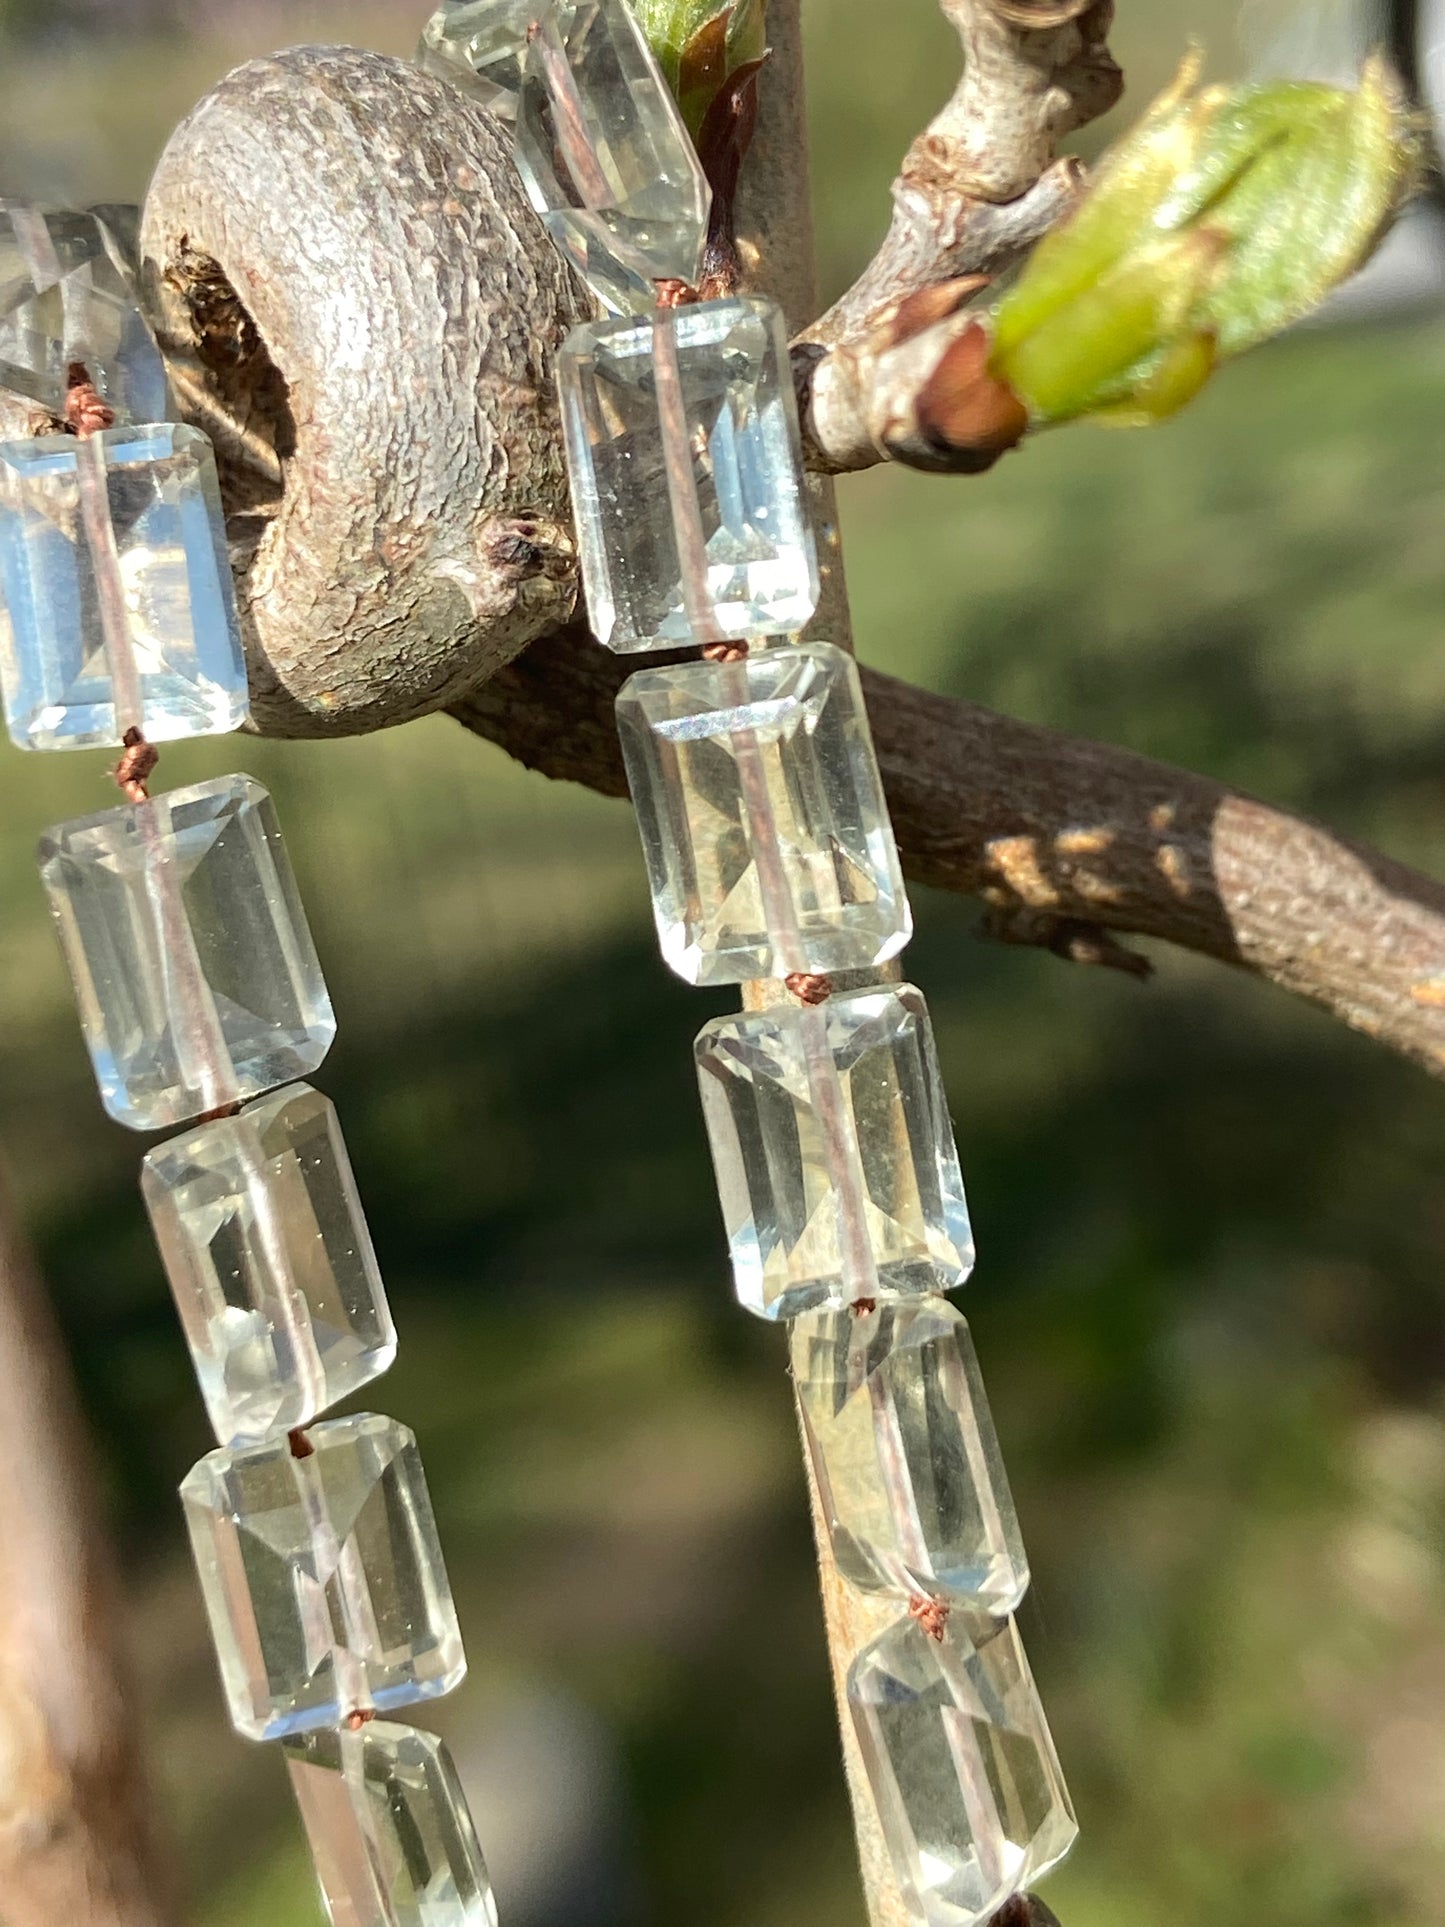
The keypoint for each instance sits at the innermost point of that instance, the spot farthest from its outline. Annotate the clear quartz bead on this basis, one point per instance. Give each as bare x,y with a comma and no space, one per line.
686,467
836,1164
262,1234
763,821
68,294
479,45
907,1460
389,1828
961,1763
194,969
323,1577
116,603
605,156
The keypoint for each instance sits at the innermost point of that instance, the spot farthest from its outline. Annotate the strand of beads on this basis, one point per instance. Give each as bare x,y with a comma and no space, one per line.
772,864
202,1001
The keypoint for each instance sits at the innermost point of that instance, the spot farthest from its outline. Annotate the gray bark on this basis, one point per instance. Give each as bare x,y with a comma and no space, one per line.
361,308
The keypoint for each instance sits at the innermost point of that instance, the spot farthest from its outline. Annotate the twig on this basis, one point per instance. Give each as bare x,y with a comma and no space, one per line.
977,189
1069,839
980,184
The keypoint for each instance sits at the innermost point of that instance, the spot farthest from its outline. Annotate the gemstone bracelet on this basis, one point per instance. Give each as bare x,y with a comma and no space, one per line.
772,864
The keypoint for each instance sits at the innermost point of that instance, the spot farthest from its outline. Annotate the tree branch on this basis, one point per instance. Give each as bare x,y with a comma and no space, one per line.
977,189
413,519
1067,839
76,1841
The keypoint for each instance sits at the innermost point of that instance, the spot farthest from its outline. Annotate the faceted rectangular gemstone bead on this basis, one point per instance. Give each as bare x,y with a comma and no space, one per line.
763,820
683,447
194,969
961,1763
323,1577
479,45
263,1239
116,603
390,1832
907,1460
67,294
604,154
835,1158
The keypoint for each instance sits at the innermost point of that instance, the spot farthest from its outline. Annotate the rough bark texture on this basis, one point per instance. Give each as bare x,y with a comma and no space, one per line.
1068,840
1055,832
76,1848
360,307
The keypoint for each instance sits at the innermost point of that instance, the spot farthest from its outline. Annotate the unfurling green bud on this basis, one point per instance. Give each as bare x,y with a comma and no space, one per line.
701,45
1225,215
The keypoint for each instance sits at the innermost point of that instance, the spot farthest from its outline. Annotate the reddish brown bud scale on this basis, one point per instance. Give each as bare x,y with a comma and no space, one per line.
926,306
968,411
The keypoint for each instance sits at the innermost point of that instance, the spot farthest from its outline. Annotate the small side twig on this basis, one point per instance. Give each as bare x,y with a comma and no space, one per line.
977,189
1075,939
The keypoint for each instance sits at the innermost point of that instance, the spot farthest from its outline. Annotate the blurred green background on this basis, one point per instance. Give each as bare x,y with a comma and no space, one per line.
1210,1303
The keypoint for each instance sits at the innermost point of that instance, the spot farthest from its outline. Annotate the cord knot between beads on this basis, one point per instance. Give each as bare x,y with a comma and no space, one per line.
86,413
931,1615
809,987
676,294
136,766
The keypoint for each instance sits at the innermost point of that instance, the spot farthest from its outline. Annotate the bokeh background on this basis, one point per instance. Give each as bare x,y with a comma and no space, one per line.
1210,1305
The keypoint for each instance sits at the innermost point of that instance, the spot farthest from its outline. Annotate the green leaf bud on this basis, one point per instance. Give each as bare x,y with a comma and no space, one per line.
1223,217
